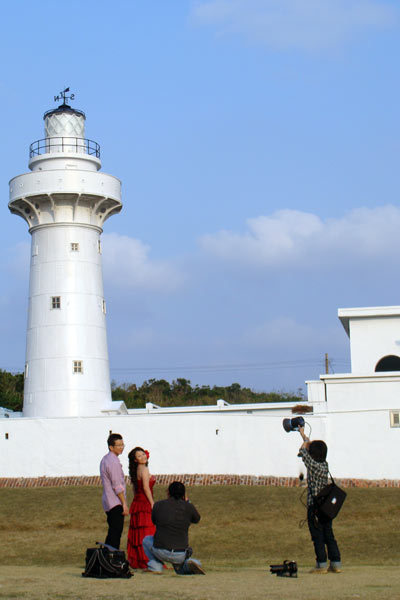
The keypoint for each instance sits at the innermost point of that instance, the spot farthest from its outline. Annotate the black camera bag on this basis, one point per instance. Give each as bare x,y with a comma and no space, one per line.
105,563
329,501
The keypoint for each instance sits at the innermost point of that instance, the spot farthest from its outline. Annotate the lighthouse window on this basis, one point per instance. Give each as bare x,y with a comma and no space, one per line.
77,366
74,247
56,302
394,418
99,246
104,307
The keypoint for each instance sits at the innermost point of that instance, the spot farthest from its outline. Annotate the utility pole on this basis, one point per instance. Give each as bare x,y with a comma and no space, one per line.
326,363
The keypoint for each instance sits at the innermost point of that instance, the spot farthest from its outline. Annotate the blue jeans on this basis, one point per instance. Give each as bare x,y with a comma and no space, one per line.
323,539
158,556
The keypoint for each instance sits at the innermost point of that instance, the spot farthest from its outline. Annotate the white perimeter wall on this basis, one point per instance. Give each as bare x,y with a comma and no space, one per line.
180,443
361,443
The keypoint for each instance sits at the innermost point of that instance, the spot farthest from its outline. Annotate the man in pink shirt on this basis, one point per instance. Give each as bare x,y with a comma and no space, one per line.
114,490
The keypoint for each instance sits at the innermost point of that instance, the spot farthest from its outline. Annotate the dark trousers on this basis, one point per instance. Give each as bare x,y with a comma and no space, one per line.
322,535
115,520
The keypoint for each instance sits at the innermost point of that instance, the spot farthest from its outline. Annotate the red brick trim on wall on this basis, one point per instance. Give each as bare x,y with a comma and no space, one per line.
192,479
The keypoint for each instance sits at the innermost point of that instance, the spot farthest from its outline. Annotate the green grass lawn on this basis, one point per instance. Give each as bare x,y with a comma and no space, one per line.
240,526
45,533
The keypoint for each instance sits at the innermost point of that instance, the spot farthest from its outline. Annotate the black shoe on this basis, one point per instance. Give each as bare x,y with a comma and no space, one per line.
189,552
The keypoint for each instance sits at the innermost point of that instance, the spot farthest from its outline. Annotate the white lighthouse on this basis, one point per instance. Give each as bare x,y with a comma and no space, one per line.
65,200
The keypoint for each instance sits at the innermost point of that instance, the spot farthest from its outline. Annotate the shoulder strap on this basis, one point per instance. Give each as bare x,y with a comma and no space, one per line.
91,563
105,563
330,474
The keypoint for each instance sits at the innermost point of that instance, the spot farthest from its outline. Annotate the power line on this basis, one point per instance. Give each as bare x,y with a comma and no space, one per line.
292,364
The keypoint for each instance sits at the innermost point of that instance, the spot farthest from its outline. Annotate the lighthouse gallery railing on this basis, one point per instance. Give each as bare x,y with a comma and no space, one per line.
64,144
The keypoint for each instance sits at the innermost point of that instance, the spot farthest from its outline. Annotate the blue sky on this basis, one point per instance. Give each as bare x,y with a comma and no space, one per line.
258,144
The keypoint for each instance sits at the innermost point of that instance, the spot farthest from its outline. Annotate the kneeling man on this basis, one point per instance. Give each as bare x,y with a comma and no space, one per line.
170,543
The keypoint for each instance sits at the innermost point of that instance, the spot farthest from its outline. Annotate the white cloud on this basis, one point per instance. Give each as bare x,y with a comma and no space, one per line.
290,238
127,264
306,24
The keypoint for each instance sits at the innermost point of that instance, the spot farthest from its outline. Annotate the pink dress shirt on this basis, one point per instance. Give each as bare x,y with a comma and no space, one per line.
112,478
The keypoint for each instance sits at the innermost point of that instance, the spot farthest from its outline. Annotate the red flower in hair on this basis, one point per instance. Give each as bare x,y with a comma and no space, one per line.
147,453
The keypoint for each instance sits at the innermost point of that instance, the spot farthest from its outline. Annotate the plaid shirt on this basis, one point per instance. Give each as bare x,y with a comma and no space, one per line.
317,475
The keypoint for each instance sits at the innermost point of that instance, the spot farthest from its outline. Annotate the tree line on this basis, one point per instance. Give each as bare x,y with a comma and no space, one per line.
181,393
157,391
11,390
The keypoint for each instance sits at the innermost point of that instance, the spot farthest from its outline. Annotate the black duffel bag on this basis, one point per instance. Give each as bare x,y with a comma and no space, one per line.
104,563
329,501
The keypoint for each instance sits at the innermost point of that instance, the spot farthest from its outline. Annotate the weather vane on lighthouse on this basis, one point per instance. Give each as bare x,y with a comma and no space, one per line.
63,96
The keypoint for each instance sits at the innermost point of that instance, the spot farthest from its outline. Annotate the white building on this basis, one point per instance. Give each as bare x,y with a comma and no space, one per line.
65,200
362,408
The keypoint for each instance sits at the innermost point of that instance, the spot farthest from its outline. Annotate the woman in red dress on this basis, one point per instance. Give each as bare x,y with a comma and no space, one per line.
141,507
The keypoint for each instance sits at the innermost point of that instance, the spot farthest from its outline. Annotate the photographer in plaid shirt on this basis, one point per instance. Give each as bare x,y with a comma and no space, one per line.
313,454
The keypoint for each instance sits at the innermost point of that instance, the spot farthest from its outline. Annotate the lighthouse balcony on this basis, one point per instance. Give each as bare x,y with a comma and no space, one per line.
62,195
64,144
64,152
